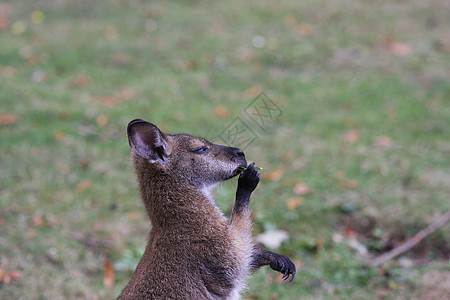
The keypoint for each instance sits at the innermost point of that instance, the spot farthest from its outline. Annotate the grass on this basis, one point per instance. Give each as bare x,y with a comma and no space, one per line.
363,88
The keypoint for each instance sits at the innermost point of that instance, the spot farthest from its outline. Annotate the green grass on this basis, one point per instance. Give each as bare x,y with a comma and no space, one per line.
75,80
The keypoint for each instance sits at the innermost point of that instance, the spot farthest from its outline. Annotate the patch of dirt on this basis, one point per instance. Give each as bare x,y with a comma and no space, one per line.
379,237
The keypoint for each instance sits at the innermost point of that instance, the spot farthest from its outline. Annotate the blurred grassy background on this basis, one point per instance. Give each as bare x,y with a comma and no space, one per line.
361,150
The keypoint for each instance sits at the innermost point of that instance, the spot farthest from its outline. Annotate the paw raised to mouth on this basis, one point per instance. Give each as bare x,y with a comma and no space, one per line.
242,169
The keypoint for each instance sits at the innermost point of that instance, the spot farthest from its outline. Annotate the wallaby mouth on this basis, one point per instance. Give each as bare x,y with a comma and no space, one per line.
239,169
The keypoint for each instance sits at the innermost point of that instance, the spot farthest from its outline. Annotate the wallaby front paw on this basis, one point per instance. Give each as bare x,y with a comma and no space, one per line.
248,180
284,265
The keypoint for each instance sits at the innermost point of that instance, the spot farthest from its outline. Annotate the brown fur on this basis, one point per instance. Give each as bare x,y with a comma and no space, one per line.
193,251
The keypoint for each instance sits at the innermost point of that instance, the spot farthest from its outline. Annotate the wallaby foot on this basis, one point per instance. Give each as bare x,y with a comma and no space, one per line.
276,261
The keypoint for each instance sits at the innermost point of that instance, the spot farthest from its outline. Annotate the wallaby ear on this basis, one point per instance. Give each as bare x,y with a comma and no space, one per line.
148,141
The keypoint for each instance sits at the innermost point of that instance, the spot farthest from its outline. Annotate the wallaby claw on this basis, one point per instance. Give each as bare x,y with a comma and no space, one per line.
284,265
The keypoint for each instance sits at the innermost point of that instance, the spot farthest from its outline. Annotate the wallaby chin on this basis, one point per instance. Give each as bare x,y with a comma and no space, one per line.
193,251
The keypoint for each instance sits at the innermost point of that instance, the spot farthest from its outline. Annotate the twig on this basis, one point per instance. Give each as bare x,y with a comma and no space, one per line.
406,246
79,237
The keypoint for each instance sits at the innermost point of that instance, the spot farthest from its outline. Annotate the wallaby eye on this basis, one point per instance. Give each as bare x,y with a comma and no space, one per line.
201,150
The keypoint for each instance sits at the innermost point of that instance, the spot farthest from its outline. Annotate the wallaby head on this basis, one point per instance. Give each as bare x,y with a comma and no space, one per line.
192,160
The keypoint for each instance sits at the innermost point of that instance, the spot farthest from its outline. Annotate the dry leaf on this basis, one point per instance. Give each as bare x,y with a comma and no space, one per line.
350,232
339,175
5,14
8,119
301,189
59,135
349,184
294,203
38,221
253,91
84,185
134,215
102,120
2,274
351,136
84,163
400,49
108,278
7,277
274,175
304,29
15,274
221,111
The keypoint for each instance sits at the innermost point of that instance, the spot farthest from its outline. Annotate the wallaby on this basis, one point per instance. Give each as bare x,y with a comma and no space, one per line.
193,251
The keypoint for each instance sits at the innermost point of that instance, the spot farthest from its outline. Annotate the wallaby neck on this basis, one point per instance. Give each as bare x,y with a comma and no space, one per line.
168,206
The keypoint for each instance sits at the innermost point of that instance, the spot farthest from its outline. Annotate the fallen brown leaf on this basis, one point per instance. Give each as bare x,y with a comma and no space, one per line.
5,14
8,119
59,135
294,203
7,277
2,274
400,49
304,29
84,163
102,120
221,112
15,274
253,91
84,185
38,221
351,136
274,175
134,215
301,189
339,175
108,278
